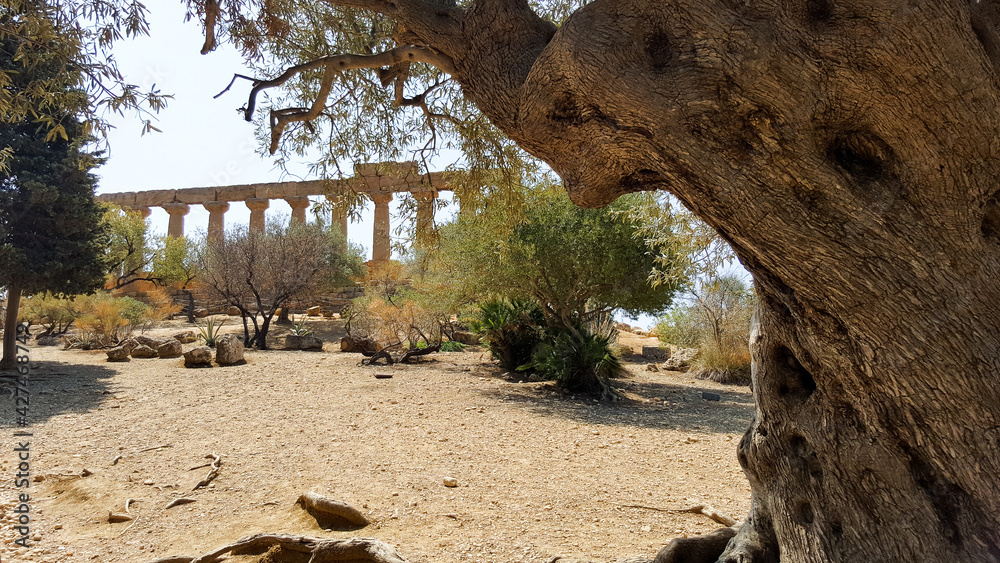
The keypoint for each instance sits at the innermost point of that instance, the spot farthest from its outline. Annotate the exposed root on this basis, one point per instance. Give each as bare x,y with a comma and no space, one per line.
212,473
699,549
179,501
330,513
321,550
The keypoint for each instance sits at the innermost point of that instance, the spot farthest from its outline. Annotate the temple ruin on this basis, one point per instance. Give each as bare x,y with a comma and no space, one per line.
376,181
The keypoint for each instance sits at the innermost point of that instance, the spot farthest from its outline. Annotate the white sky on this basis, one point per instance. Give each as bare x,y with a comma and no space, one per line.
204,141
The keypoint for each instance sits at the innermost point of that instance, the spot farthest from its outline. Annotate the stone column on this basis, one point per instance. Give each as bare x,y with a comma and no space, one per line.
144,211
425,218
216,218
339,214
380,237
177,211
257,207
299,205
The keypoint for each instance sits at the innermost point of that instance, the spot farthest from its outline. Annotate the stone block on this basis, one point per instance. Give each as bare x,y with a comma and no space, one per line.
307,342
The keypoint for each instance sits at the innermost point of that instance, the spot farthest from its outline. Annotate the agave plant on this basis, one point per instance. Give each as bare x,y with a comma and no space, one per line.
210,332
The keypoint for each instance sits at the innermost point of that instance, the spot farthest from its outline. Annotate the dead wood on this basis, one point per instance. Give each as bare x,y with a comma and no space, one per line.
116,517
711,512
179,501
321,550
212,473
330,513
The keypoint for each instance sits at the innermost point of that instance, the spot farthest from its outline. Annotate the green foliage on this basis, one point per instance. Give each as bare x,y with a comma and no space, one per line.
579,359
577,264
210,332
174,260
716,320
513,328
128,252
452,346
300,327
55,312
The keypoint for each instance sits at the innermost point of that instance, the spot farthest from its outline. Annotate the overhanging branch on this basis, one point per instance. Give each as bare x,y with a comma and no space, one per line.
332,66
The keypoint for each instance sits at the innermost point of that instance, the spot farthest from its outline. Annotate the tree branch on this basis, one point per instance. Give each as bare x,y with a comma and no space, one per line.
332,65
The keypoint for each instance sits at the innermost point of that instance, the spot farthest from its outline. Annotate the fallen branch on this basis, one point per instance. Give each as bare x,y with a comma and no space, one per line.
115,518
179,501
711,512
321,550
212,473
331,511
153,448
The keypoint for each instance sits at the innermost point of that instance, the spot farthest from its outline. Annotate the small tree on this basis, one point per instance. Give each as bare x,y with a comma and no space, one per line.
259,272
128,252
175,262
50,237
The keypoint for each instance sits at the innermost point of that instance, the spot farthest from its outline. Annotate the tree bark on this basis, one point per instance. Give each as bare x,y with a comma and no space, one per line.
848,153
9,360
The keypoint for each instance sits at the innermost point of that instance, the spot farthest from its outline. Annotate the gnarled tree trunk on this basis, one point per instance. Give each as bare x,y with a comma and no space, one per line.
849,152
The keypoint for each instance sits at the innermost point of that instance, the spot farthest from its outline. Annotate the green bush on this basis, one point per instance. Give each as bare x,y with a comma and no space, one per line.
679,327
579,360
513,328
105,320
452,346
54,312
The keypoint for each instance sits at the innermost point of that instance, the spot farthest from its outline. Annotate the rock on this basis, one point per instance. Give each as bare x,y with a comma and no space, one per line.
652,367
464,337
314,311
170,349
47,340
143,351
119,353
681,359
151,341
655,353
186,337
450,482
200,312
233,311
228,350
307,342
198,357
620,350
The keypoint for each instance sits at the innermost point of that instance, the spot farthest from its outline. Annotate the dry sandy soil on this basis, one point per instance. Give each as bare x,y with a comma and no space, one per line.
540,474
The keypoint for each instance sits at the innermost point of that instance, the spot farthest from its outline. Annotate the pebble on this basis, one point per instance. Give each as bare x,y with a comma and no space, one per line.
450,482
147,482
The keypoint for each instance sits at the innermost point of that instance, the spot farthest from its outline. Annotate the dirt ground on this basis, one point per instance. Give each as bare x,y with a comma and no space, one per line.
540,475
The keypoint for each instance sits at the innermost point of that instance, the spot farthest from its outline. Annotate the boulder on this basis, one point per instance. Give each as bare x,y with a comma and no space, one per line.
348,344
170,349
200,312
153,342
681,359
233,311
228,350
655,353
186,337
307,342
48,340
198,357
314,311
143,351
119,353
464,337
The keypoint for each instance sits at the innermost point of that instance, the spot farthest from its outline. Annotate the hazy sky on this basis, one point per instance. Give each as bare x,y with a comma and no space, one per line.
204,142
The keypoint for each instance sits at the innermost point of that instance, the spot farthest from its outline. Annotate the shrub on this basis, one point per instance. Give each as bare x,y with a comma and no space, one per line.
300,328
513,328
678,327
452,346
210,332
161,306
105,320
54,312
579,360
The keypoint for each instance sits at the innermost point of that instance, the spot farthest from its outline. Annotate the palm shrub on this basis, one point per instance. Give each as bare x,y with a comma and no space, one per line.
579,359
513,328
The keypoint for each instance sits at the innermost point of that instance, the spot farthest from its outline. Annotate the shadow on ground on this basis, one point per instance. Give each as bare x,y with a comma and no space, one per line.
56,388
648,404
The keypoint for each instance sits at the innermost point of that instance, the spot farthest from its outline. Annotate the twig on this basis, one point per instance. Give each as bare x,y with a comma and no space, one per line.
212,473
712,513
153,448
116,460
127,503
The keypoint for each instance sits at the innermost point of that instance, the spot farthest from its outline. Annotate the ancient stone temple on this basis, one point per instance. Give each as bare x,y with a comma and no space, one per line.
376,181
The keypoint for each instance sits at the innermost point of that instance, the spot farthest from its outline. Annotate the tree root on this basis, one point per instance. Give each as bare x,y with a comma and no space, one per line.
331,513
699,549
711,512
212,473
320,550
